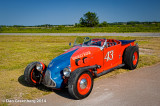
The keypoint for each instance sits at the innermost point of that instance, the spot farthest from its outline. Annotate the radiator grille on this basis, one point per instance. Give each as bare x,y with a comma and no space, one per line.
47,81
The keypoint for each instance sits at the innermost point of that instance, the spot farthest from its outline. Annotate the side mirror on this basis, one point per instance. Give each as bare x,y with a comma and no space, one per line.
69,43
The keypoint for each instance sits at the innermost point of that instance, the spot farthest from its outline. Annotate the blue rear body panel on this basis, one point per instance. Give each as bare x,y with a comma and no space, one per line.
126,41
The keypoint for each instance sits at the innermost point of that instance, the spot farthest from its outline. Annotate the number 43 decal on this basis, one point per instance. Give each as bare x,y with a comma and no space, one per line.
109,55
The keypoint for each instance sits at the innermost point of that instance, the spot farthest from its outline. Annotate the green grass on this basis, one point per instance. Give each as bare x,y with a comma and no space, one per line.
60,29
16,52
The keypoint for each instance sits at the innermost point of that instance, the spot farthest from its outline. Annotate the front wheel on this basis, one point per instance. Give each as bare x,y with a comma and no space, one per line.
32,75
80,84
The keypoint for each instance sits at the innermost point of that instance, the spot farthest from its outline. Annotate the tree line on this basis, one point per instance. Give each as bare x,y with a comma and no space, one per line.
90,19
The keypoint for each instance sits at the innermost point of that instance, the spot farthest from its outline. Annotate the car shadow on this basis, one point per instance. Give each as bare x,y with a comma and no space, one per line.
64,92
23,82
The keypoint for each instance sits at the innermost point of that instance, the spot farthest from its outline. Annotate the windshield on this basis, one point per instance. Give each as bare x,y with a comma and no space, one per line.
78,41
86,41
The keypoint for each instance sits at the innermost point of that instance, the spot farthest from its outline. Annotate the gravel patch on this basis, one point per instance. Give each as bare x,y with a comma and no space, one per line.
143,51
85,34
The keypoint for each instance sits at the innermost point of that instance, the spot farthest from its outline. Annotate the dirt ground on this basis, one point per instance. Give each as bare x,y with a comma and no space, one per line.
140,87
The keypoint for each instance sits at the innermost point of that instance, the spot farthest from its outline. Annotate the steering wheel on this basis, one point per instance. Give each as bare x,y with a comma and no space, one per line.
97,43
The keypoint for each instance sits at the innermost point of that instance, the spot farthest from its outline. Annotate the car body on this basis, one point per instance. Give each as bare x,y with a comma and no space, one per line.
87,58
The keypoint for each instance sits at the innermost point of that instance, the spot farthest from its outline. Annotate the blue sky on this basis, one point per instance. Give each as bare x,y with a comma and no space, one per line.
58,12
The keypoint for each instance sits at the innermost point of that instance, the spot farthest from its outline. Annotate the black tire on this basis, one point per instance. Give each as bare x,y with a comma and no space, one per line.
130,54
73,86
27,74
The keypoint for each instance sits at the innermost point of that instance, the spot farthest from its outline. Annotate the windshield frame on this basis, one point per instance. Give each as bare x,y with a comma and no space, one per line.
89,40
101,47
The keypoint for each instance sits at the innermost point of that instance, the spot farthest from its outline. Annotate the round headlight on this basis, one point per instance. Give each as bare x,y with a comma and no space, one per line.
39,66
66,72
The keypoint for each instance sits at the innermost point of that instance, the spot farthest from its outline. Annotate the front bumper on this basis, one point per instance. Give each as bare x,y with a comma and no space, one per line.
47,81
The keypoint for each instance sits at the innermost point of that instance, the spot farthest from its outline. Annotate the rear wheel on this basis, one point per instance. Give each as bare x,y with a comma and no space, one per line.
131,57
80,84
32,75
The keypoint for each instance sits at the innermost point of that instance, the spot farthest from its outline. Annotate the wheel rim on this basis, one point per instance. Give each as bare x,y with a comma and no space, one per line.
135,58
84,84
33,76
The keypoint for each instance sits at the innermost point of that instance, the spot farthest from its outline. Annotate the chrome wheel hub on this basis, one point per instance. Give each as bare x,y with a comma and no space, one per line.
83,83
133,57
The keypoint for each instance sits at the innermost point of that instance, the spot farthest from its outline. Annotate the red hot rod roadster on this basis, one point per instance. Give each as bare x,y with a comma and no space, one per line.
76,68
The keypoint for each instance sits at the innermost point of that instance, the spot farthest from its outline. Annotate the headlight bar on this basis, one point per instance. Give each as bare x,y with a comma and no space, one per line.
66,72
39,66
